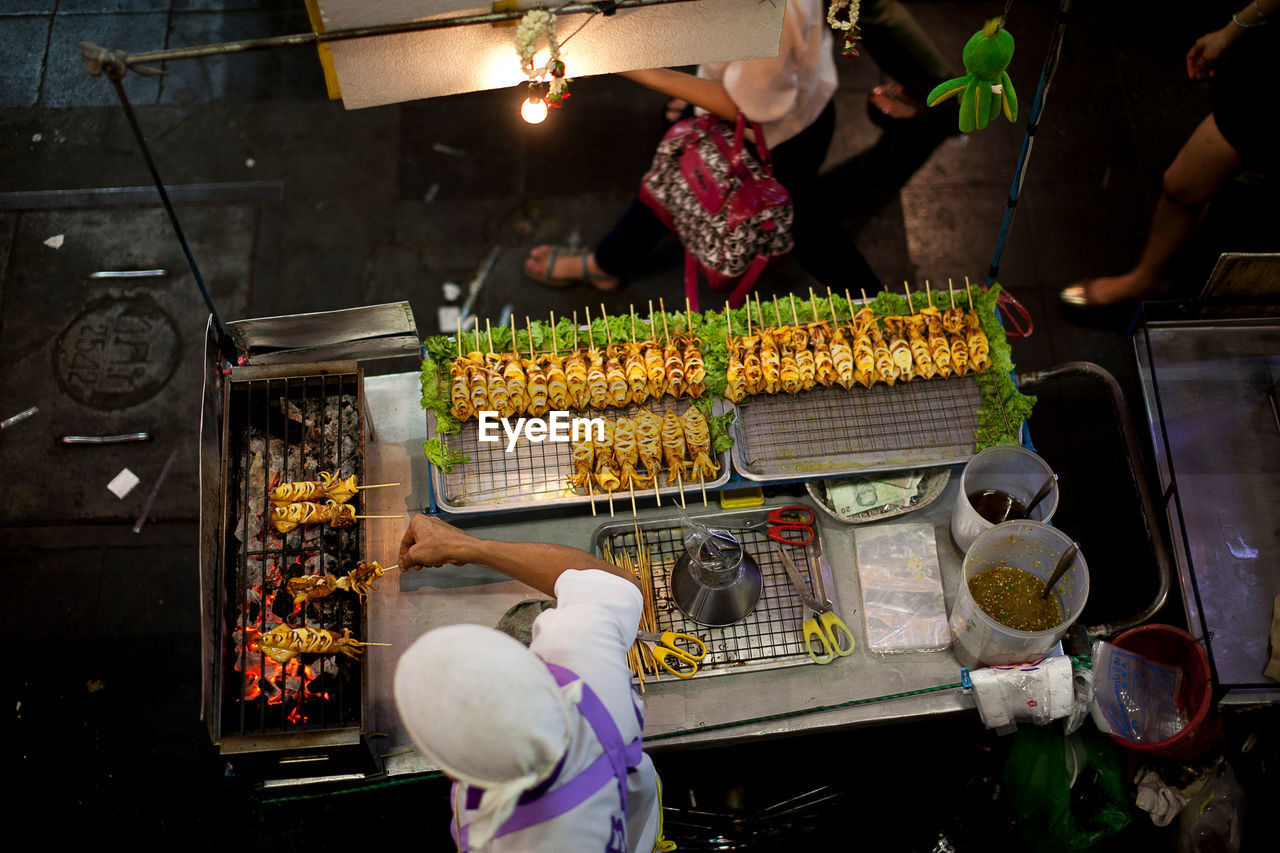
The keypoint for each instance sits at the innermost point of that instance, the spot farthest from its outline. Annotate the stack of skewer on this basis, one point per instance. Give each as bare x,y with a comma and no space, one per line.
639,658
861,350
616,375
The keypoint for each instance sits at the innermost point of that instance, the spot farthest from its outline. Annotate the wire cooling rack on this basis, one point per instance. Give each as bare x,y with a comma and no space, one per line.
533,472
769,637
830,431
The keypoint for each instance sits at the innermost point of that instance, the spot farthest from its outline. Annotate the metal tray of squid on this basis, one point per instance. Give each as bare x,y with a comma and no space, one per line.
769,636
535,475
832,431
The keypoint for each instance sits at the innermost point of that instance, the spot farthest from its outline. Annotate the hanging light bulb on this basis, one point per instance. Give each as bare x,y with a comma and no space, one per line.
533,110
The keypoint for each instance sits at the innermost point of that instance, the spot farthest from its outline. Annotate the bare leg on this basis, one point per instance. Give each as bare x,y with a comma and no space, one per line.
1203,165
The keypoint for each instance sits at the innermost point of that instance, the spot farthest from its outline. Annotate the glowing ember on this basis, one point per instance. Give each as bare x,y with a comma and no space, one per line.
290,681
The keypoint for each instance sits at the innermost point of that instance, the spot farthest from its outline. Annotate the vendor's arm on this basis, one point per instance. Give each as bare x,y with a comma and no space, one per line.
432,542
1212,45
711,95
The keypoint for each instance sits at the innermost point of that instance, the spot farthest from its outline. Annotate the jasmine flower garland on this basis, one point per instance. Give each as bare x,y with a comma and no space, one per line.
849,26
539,23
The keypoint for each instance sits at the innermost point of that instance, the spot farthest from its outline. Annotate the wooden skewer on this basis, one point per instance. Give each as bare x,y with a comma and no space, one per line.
632,489
748,318
389,568
680,486
610,504
728,320
514,351
968,292
529,325
777,315
813,305
928,293
590,494
849,299
459,339
688,313
633,323
575,331
795,318
489,331
380,516
951,291
377,486
656,498
653,329
608,335
591,334
555,345
866,303
907,290
662,309
702,482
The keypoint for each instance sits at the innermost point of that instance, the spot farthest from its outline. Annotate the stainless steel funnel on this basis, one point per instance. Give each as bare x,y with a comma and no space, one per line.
721,586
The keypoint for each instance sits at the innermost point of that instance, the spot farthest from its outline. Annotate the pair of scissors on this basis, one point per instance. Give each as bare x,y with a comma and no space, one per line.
826,633
664,646
788,525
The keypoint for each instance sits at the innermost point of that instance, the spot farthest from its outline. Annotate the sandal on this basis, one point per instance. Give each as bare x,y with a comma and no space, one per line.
600,281
891,103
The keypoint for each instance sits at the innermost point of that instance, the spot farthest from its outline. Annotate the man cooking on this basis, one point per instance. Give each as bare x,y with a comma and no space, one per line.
543,742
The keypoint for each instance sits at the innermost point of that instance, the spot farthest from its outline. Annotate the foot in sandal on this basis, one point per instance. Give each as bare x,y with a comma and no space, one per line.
556,266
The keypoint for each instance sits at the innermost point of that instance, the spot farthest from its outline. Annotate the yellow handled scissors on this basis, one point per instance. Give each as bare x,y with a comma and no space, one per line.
665,645
826,633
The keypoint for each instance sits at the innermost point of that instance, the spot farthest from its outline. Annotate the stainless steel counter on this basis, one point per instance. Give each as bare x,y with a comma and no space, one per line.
679,714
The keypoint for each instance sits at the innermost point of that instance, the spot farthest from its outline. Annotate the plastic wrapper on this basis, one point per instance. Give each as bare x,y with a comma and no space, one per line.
1135,698
902,600
1032,692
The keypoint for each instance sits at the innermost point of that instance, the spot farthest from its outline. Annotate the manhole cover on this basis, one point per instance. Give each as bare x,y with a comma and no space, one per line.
119,352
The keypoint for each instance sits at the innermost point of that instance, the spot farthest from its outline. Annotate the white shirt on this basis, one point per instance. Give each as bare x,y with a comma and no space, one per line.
787,92
590,631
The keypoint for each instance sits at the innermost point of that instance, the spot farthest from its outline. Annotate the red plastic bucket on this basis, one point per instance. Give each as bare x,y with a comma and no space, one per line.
1175,647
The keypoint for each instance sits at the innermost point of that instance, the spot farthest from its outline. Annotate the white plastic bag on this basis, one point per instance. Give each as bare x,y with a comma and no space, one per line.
903,605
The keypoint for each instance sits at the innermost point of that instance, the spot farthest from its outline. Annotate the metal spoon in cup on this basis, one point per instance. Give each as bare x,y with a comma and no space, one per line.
1035,501
1064,562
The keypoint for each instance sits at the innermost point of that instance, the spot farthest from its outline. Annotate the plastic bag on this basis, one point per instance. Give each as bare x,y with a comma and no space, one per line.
1067,793
903,605
1211,820
1135,698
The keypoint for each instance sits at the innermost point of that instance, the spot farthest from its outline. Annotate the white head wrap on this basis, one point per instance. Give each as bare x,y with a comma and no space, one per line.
487,711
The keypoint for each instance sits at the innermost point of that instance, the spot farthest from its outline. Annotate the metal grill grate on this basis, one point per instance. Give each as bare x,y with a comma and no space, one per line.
533,472
769,637
289,429
834,431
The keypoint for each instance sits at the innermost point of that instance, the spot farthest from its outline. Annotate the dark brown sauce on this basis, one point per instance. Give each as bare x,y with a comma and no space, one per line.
997,506
1012,597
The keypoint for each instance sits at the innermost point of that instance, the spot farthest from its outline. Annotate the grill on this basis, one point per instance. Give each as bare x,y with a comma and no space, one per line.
303,719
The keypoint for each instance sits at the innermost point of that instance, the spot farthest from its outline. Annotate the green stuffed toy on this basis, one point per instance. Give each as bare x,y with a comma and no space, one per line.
987,87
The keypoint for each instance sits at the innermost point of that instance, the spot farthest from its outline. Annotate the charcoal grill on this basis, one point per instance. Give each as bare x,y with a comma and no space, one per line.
264,424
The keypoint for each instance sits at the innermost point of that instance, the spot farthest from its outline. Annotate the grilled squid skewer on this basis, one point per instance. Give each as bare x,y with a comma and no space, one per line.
282,643
359,580
328,487
770,363
649,441
735,388
626,451
619,391
557,382
285,517
842,357
697,437
673,446
917,332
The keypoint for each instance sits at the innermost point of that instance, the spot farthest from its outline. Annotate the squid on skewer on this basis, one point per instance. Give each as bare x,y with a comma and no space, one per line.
499,399
673,447
842,358
938,346
539,394
886,370
359,580
697,438
805,362
282,643
637,377
864,359
583,456
285,517
619,392
959,355
655,368
752,367
328,487
597,379
917,333
735,388
576,374
695,372
899,349
606,473
517,385
823,359
626,451
976,340
674,364
558,396
770,362
649,441
460,405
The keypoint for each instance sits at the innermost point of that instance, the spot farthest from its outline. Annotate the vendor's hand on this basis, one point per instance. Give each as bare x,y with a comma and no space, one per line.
431,542
1207,49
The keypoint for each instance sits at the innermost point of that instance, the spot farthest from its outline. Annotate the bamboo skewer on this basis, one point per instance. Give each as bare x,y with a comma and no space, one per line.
377,486
591,497
662,309
910,308
968,292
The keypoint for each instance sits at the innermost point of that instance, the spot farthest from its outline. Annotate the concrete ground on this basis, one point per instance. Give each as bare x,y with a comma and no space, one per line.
293,204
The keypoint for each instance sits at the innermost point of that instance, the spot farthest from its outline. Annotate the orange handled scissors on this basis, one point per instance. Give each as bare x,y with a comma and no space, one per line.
826,635
687,650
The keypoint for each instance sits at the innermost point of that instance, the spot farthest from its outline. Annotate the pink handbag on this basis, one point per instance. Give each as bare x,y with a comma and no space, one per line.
722,200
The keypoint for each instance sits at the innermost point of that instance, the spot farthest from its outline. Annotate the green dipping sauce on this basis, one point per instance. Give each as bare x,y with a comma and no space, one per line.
1012,597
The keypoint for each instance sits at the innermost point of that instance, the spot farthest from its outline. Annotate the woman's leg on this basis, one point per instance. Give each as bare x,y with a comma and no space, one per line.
1203,165
621,252
822,248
